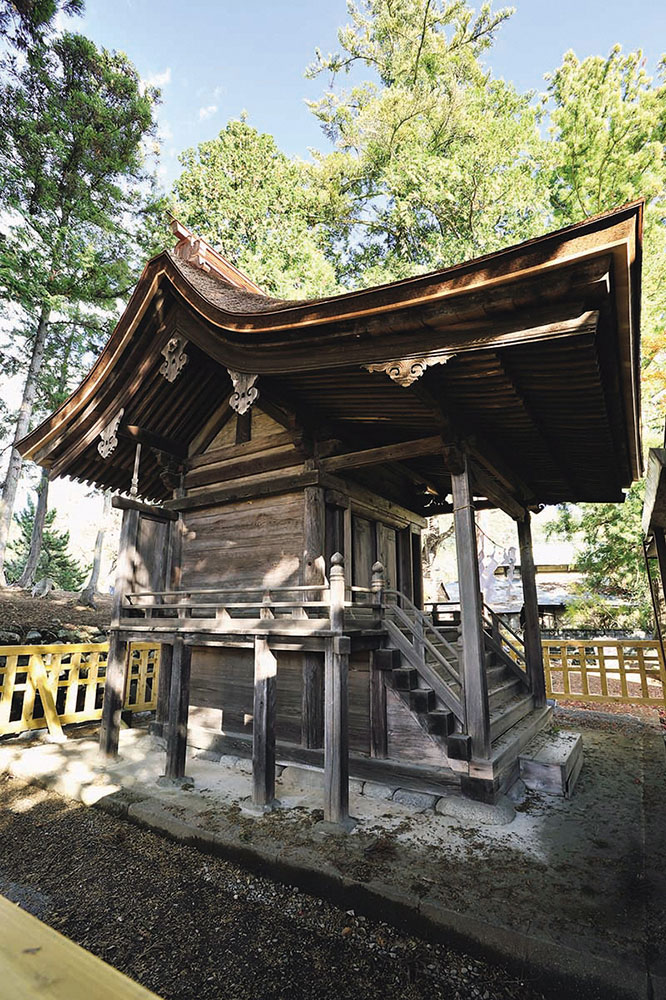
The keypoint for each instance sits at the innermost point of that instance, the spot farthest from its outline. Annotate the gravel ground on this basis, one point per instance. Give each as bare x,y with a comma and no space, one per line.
193,927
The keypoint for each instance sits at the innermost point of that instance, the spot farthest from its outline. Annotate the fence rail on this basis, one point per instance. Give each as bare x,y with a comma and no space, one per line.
51,686
630,671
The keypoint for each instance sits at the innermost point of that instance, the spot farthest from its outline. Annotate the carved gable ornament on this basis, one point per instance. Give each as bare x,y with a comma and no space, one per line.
405,371
245,392
109,436
175,358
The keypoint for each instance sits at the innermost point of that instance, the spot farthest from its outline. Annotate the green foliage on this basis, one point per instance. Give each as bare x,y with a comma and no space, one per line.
247,198
54,561
610,557
26,23
434,161
71,170
607,147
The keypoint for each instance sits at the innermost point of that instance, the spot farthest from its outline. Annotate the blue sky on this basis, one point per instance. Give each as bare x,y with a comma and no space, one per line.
217,58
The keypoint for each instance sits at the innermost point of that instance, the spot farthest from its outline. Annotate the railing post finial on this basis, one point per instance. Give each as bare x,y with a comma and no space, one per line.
377,588
337,582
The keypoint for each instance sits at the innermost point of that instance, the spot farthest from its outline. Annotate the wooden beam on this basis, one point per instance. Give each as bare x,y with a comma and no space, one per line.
366,501
531,634
387,453
179,705
263,725
488,487
278,440
153,440
211,428
146,509
484,454
474,680
252,487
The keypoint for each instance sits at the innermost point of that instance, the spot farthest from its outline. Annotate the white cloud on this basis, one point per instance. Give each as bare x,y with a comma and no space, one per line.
166,132
208,112
157,79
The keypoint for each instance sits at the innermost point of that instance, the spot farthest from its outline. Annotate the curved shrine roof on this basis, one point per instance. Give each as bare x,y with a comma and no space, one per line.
529,356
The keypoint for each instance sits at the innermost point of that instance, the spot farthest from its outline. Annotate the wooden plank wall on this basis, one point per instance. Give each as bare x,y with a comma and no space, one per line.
248,543
222,690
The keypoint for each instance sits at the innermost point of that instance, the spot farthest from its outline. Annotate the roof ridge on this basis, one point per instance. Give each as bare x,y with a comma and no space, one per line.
196,250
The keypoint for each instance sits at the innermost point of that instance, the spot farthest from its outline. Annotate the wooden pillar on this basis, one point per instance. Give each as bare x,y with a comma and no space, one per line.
336,731
116,665
314,574
531,633
263,725
475,682
179,705
378,716
163,688
114,695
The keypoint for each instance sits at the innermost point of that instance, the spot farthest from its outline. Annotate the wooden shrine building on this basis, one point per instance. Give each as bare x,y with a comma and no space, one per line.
275,463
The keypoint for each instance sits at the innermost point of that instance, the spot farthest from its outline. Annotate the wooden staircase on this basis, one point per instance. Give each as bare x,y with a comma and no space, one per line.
423,669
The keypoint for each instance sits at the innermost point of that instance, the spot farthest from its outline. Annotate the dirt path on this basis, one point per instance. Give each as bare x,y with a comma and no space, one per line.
192,927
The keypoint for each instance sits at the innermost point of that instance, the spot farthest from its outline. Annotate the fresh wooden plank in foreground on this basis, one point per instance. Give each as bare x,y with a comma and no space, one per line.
36,961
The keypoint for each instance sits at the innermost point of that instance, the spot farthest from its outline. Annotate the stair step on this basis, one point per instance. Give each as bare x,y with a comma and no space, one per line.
497,673
509,714
510,743
405,678
422,700
440,723
504,690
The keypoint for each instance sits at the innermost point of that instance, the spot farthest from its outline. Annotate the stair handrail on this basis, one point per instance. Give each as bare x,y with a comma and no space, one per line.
498,629
425,619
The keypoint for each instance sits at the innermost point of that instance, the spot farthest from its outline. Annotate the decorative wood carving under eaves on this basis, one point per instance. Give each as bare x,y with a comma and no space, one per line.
175,358
245,392
109,436
404,371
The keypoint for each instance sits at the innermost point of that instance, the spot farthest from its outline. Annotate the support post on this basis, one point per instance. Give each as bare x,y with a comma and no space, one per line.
116,664
475,682
378,717
314,575
336,730
531,633
163,688
179,705
114,694
263,725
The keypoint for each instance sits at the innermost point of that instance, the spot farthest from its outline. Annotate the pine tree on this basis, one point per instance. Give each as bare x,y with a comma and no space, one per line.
55,561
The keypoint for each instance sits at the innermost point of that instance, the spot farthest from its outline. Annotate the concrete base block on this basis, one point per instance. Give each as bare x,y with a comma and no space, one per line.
181,784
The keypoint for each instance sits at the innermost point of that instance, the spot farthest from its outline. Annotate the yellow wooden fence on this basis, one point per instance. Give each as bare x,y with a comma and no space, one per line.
51,686
630,671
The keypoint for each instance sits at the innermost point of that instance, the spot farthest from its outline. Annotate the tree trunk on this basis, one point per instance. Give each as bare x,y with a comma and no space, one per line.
27,577
87,595
22,426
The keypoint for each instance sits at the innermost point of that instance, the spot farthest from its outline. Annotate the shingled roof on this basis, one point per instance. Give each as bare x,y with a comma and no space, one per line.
530,354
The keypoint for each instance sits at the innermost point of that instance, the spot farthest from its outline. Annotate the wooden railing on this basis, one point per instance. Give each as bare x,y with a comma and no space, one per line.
294,609
509,642
421,644
629,671
51,686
